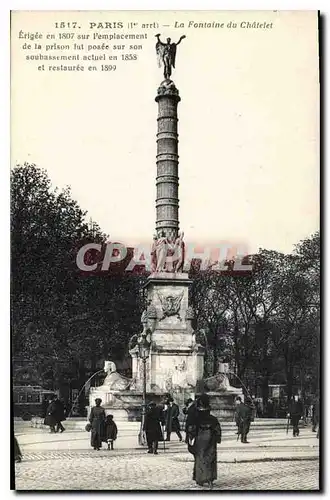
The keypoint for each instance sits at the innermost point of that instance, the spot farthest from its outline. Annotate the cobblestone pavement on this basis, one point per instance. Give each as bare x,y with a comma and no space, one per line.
124,469
106,471
65,462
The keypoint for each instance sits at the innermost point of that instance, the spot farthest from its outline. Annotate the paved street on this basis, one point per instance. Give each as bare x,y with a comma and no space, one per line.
272,461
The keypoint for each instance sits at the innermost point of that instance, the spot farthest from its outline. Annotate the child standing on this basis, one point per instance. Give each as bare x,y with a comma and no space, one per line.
110,431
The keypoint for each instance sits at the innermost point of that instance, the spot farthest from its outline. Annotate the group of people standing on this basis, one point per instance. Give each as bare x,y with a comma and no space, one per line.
55,415
103,428
296,413
203,432
244,416
157,418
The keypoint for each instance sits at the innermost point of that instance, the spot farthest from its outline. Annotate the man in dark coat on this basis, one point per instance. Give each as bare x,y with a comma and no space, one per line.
243,415
97,420
44,406
189,411
152,427
171,417
59,414
296,411
258,409
50,418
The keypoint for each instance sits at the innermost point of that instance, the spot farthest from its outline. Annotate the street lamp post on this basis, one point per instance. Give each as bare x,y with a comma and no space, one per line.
144,347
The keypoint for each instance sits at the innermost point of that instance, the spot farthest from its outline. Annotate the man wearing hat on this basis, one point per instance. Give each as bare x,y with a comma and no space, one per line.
189,411
296,411
152,427
171,416
243,415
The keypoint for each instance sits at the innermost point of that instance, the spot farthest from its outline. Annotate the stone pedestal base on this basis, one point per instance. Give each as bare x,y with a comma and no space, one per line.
223,404
175,361
175,370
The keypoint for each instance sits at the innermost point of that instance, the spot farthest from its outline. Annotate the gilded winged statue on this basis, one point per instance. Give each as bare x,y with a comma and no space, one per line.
166,53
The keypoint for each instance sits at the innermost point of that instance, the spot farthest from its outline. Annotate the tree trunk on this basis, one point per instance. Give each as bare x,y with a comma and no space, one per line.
237,349
82,380
265,389
289,382
240,371
265,369
215,360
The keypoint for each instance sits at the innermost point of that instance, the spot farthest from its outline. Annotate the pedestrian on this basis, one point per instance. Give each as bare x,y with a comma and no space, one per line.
111,431
44,406
97,420
153,423
204,433
270,408
17,451
50,418
59,414
243,415
254,408
296,411
258,409
189,411
171,417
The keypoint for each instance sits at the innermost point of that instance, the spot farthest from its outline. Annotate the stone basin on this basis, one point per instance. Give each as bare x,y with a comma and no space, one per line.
127,405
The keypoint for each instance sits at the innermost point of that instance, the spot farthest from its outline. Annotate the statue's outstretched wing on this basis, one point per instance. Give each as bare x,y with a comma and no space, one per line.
173,54
159,52
177,301
162,301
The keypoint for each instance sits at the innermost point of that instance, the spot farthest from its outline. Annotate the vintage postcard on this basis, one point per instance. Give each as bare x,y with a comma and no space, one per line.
165,250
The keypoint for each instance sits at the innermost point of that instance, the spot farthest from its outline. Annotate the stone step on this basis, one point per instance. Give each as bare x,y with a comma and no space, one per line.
76,423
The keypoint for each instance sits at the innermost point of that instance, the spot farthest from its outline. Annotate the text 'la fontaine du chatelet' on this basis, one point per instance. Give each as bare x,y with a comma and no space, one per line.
230,24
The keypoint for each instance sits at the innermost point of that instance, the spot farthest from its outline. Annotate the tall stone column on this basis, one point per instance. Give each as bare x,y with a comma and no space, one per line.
167,181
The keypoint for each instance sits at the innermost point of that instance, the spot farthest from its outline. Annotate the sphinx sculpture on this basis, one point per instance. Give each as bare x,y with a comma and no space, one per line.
219,382
114,381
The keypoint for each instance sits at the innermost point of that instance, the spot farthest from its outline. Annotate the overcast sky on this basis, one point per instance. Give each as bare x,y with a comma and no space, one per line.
248,128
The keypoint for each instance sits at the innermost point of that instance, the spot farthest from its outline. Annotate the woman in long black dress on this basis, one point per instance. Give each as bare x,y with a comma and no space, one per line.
97,420
203,435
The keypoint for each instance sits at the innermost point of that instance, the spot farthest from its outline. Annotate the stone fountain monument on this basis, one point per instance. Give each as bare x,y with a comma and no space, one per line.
176,360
